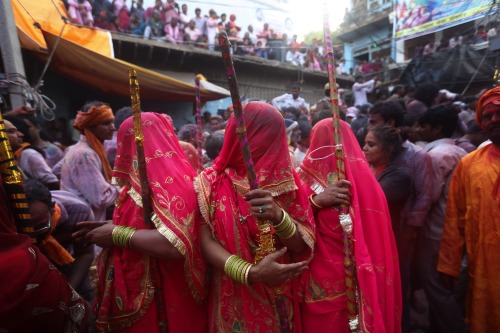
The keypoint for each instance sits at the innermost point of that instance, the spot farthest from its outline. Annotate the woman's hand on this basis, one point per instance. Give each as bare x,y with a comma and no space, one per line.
99,233
85,227
263,205
335,194
273,273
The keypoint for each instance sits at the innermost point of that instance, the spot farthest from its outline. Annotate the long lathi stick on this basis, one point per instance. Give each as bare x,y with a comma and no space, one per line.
145,195
139,144
264,238
199,129
345,218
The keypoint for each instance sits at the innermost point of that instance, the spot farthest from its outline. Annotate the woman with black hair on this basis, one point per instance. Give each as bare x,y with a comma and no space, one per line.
382,146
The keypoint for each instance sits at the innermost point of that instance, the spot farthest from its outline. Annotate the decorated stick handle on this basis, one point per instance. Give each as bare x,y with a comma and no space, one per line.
139,143
344,216
13,184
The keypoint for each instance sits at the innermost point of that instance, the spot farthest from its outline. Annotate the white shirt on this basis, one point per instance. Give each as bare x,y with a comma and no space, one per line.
34,165
360,90
253,37
444,156
286,101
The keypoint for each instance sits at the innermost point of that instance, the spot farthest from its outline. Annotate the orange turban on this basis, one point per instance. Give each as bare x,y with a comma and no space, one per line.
94,116
492,96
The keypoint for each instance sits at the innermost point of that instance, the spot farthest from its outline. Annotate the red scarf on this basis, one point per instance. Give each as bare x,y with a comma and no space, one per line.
220,194
375,248
125,286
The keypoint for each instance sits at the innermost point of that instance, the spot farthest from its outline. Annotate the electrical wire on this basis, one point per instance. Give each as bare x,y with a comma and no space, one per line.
474,76
38,101
34,98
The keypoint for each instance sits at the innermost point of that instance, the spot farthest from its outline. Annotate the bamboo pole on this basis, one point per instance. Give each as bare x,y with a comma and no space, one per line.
345,218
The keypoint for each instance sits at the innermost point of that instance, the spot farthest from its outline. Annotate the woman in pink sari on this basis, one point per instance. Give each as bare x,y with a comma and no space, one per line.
158,275
324,307
230,211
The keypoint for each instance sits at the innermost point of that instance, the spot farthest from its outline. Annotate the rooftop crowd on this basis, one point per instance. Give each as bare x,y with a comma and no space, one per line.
170,22
422,182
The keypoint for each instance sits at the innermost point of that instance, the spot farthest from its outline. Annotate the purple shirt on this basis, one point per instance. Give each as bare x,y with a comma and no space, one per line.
81,174
53,154
417,164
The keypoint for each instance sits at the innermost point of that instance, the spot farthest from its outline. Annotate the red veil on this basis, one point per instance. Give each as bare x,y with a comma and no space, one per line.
125,284
375,250
232,306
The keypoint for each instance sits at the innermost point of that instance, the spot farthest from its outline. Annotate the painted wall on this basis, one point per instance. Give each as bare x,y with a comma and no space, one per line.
377,36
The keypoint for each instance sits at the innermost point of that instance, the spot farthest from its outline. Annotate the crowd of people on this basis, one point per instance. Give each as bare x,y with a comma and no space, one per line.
167,21
482,34
208,252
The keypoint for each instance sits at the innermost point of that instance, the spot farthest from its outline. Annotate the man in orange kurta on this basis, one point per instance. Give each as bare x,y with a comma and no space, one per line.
473,222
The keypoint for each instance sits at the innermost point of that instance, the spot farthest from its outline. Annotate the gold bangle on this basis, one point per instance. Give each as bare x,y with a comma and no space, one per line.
313,203
286,229
237,269
282,219
284,224
289,233
113,235
122,235
228,263
129,243
247,272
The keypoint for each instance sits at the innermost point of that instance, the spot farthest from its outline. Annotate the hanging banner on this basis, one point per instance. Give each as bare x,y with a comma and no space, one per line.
413,18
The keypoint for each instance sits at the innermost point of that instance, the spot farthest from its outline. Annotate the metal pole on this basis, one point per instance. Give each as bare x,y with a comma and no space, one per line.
11,53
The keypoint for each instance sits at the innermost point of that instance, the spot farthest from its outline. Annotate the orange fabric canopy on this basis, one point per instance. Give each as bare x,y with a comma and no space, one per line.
86,55
48,16
111,75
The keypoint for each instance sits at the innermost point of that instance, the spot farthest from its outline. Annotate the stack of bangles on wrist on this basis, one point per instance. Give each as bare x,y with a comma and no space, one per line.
122,236
313,203
237,269
286,228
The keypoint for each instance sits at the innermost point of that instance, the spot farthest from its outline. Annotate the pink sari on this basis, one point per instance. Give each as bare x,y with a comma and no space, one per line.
126,295
234,307
324,305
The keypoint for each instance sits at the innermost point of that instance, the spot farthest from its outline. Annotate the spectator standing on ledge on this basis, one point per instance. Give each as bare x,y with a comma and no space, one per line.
201,22
80,12
291,99
360,90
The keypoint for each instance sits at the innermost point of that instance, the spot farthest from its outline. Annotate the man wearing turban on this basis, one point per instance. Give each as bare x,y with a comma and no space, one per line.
86,170
472,224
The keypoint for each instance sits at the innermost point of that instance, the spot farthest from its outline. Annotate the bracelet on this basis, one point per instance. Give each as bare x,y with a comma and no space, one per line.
122,235
313,203
286,228
237,269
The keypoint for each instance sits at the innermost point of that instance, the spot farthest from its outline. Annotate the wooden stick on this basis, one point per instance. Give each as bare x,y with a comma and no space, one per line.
345,218
145,195
199,129
139,143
